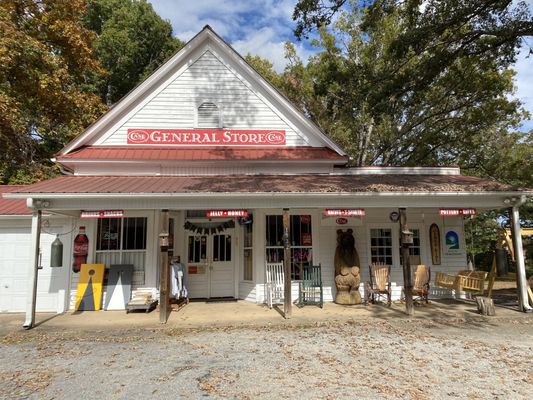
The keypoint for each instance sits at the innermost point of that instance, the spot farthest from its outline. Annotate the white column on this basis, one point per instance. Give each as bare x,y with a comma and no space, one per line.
520,263
33,270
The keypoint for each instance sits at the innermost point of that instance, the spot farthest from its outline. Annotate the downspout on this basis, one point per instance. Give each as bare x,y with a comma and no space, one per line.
521,281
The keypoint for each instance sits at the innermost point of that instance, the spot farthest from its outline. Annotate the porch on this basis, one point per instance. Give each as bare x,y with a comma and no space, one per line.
200,314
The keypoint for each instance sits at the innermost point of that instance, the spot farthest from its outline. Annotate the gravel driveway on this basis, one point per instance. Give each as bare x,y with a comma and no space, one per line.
369,359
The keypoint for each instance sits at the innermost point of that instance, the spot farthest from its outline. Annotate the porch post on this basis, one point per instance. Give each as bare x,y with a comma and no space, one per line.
163,267
407,281
34,270
521,281
287,300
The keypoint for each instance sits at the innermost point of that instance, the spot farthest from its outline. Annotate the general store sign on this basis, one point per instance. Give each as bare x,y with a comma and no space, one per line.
226,213
452,212
207,137
347,212
102,214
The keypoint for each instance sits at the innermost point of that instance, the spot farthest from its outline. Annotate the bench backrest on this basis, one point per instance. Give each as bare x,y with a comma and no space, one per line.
379,276
275,274
312,275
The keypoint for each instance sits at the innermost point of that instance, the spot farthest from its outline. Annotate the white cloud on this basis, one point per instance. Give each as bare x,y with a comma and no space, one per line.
258,27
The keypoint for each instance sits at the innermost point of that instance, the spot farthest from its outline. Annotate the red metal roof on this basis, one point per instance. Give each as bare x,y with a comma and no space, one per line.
12,206
203,154
305,183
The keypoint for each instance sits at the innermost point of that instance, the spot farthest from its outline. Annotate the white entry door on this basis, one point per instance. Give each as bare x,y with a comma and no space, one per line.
210,265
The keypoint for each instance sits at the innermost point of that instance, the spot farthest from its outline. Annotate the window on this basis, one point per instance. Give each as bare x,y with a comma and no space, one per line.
381,246
414,250
301,240
208,116
197,249
122,241
248,265
222,248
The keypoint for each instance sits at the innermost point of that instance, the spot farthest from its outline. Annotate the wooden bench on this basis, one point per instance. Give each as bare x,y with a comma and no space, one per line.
467,280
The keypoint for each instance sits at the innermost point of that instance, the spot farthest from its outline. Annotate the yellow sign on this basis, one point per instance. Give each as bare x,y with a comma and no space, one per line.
89,294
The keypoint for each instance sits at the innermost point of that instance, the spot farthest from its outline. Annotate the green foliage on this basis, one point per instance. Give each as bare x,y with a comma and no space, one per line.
132,41
425,103
60,63
45,59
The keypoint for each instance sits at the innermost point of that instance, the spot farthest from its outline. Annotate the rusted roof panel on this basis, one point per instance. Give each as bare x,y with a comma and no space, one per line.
12,206
305,183
203,154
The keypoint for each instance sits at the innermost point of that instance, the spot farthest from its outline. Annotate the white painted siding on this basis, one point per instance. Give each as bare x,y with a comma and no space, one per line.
15,266
207,79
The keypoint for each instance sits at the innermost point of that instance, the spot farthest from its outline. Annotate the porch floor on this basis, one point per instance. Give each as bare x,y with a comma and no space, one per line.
242,313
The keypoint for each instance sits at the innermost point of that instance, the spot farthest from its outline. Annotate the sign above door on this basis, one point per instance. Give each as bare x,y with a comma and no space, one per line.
207,137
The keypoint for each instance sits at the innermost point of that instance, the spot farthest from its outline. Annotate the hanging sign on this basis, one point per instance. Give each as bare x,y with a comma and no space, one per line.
226,214
209,230
207,137
452,212
434,238
349,212
103,214
452,243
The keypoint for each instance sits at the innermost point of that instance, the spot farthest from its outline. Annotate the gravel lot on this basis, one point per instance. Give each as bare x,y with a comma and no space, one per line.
369,359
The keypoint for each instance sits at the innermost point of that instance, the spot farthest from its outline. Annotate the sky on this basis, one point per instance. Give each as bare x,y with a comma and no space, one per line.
261,27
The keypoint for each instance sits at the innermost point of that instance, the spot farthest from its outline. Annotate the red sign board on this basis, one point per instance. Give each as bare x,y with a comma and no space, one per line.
349,212
102,214
226,213
451,212
207,137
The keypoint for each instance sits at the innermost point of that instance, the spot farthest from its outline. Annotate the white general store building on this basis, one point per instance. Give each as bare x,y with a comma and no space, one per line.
206,133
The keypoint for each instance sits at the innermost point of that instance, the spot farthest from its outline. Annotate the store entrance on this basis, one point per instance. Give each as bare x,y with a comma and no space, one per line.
210,265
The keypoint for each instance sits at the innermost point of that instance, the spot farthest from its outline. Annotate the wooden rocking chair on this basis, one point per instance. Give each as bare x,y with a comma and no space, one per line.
311,291
275,283
421,284
379,284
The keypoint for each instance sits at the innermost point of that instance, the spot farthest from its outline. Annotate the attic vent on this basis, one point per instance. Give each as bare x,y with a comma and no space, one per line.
209,116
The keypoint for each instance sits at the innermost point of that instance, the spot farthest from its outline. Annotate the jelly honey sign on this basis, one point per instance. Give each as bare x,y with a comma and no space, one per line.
207,137
226,214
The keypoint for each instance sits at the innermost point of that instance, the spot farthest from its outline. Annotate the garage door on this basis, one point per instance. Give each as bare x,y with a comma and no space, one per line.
15,260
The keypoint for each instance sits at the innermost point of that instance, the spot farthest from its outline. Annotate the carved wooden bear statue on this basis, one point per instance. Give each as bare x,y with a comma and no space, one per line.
347,267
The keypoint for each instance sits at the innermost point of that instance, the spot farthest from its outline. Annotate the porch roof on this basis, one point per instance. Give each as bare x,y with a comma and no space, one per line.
242,184
12,206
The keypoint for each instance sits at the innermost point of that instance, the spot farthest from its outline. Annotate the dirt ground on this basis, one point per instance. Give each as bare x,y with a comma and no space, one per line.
369,358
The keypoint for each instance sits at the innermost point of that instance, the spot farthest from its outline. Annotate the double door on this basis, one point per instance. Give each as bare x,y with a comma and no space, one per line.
210,265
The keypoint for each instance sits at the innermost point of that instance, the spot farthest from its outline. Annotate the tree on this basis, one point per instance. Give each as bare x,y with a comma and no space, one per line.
132,41
403,86
45,94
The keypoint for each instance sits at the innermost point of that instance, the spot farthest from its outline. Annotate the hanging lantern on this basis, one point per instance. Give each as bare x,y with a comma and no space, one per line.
56,253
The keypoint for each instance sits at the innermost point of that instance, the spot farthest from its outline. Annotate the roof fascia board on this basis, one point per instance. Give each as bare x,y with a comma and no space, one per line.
21,195
274,200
